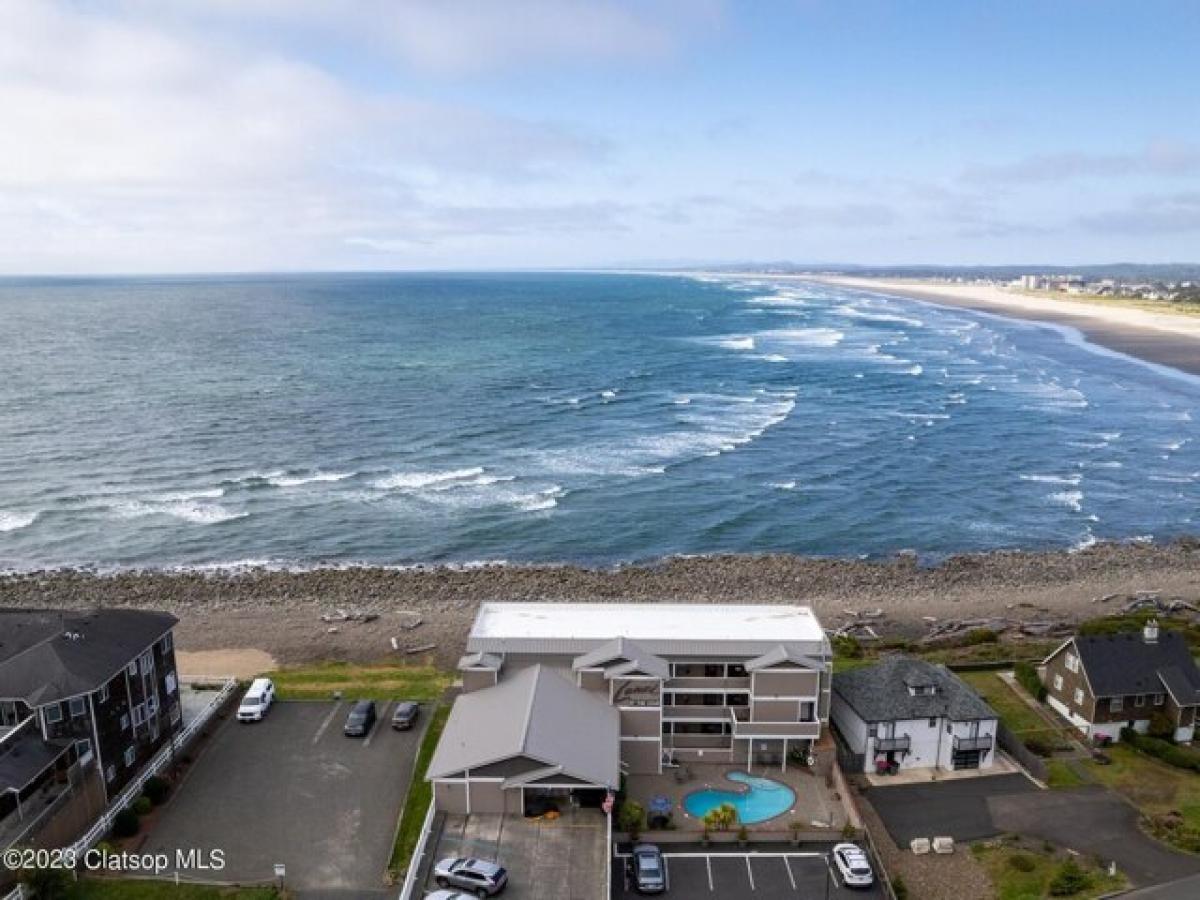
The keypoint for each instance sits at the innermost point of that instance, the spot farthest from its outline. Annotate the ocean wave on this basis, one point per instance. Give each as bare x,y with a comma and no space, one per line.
1072,500
805,337
1072,479
14,521
185,495
417,480
782,485
185,510
315,477
772,358
541,500
872,316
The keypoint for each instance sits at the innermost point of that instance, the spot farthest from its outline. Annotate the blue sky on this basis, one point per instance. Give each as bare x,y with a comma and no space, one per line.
223,135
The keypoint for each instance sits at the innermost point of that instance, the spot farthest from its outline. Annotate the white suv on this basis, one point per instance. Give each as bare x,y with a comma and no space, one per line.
257,701
853,865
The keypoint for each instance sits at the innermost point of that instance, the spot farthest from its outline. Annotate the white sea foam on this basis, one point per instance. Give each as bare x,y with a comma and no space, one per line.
772,357
736,343
1072,479
417,480
1073,500
608,395
915,370
313,478
805,337
1085,541
14,521
782,485
541,500
186,510
857,312
197,494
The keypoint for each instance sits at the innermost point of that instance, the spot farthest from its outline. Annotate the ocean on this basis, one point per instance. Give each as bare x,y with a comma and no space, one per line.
596,418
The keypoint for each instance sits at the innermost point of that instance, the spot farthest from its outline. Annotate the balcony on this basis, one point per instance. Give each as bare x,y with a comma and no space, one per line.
696,683
700,713
898,744
964,744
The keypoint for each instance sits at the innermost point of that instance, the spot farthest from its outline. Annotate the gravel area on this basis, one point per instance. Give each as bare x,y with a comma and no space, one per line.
294,615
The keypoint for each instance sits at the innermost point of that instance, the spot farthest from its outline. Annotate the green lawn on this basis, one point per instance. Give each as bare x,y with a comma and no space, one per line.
361,682
1153,786
1059,774
1025,874
1012,709
104,889
420,795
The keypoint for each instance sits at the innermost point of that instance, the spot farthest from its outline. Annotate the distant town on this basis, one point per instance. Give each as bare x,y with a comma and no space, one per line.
1142,289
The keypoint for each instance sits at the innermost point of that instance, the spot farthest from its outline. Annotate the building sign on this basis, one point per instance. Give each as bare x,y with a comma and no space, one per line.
636,693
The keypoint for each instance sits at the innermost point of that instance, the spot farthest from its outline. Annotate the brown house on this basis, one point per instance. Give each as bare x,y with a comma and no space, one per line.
1103,683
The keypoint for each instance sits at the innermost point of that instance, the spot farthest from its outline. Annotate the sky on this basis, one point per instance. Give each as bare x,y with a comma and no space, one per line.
281,135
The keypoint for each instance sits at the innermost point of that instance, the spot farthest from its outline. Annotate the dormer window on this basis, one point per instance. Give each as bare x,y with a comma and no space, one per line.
922,690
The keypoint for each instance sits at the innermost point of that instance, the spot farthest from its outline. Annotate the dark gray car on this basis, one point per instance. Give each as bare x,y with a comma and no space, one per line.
649,869
361,719
480,877
405,715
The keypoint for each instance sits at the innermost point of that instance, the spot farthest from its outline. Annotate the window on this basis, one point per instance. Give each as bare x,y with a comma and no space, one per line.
1078,696
170,682
139,715
131,669
933,721
1058,682
53,713
1139,700
1159,699
1072,662
124,721
1115,704
78,707
151,706
103,694
164,645
110,773
83,750
129,757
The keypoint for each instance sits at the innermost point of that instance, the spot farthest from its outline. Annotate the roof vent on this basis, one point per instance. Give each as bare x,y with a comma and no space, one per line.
1150,631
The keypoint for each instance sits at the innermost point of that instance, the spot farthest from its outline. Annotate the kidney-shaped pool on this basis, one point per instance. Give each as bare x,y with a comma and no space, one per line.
761,799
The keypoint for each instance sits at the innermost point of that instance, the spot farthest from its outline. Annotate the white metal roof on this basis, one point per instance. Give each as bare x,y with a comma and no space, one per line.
648,622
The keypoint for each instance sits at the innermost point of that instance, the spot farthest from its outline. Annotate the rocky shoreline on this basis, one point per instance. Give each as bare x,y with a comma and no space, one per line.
367,614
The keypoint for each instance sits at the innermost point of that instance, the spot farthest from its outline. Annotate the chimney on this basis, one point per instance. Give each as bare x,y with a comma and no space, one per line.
1150,631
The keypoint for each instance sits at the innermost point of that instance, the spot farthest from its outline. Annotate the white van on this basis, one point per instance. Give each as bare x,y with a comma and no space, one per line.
257,701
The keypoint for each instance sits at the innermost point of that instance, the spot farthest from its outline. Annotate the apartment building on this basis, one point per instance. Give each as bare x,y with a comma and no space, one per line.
601,689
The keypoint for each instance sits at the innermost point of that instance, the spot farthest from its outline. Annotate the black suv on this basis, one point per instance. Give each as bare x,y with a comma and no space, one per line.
405,715
361,719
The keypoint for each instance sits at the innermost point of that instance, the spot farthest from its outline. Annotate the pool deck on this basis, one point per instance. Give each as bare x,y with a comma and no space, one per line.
816,807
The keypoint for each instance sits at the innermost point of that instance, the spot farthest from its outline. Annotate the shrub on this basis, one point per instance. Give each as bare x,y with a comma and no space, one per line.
846,646
1172,754
1040,744
125,823
142,805
1161,726
1022,862
1069,880
157,788
849,832
1027,676
721,818
977,636
742,834
899,888
47,883
632,818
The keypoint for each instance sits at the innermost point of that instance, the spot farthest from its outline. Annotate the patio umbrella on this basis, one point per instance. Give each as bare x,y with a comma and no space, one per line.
660,805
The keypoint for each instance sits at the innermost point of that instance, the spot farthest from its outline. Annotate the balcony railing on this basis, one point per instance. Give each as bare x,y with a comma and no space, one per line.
899,744
983,742
699,683
697,711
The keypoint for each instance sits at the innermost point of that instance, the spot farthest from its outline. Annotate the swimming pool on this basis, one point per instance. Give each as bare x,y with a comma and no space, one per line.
764,798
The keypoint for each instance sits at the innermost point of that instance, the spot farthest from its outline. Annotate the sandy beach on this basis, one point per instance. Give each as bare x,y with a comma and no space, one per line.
1166,338
280,613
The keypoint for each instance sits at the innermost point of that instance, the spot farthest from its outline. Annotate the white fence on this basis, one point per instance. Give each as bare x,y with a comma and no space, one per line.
414,864
161,759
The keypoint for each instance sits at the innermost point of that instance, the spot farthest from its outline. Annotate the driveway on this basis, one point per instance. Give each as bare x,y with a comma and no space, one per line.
957,808
293,789
1096,821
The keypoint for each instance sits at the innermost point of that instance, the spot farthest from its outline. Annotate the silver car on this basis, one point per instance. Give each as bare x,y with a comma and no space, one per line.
478,876
853,865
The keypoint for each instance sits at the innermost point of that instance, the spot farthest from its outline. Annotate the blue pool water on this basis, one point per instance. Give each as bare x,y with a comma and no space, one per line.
764,800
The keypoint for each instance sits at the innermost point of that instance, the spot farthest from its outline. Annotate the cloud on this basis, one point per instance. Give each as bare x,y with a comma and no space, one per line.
474,36
1161,214
1166,159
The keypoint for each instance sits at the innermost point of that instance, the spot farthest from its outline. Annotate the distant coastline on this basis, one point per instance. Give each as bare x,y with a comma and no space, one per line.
1165,338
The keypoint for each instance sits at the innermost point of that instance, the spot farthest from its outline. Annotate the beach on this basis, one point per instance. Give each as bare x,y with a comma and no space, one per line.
1166,338
354,614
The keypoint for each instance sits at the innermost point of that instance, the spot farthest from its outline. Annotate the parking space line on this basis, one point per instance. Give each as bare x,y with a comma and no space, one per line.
750,873
708,862
375,728
325,725
792,878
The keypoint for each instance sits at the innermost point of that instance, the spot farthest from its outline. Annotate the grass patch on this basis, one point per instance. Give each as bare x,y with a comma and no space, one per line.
1027,873
420,795
1168,307
361,682
1168,798
105,889
1014,712
1059,774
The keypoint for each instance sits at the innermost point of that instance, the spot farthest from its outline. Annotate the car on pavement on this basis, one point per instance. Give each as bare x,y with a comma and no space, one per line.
649,869
405,715
448,895
478,876
853,865
361,719
257,701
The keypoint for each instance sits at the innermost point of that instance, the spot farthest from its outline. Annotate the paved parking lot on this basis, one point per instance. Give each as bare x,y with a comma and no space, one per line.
563,859
959,809
762,875
294,790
